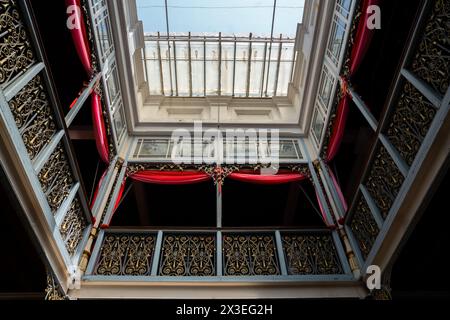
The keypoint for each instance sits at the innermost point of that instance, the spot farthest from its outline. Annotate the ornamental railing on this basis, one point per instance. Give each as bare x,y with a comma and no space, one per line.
417,108
159,255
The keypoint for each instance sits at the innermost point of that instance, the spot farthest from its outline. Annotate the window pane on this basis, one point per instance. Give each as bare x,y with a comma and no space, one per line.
197,68
318,124
336,40
326,85
256,69
153,67
182,57
212,68
227,68
271,73
284,74
240,78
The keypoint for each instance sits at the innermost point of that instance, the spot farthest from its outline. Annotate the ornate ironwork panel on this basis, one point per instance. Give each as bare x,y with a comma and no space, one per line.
432,60
410,122
188,255
73,226
33,115
364,226
384,180
250,255
126,254
109,133
16,53
56,178
311,254
53,291
329,128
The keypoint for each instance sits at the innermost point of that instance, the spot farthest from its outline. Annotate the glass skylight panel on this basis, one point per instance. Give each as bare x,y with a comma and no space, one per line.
227,66
152,67
218,65
198,67
256,68
182,67
212,68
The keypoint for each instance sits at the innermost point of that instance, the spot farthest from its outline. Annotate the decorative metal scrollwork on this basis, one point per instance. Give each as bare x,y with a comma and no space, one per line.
384,180
33,115
250,255
16,53
188,255
126,255
337,97
90,36
218,173
73,226
311,254
364,227
432,59
56,178
410,122
133,168
53,291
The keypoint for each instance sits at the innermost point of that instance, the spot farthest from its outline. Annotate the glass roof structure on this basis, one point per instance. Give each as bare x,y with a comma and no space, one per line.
200,65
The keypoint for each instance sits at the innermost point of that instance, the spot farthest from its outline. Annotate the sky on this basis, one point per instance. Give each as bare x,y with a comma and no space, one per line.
226,16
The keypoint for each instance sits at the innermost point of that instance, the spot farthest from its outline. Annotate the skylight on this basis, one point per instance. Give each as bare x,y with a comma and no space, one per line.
224,65
219,48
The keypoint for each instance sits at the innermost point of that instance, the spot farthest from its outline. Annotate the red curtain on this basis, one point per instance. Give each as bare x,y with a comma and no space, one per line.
94,197
363,37
162,177
170,177
119,196
339,191
101,138
267,179
337,132
79,36
362,41
322,211
80,40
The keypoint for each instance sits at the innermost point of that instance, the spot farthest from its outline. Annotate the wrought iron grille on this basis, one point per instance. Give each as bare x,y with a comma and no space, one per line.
364,227
410,122
56,178
250,255
73,226
126,254
384,180
33,115
311,254
432,60
16,53
188,255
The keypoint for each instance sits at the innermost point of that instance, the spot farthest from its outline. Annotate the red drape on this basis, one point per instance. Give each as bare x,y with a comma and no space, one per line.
79,35
362,41
94,197
338,129
339,191
80,40
362,38
267,179
322,210
119,196
170,177
162,177
101,138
